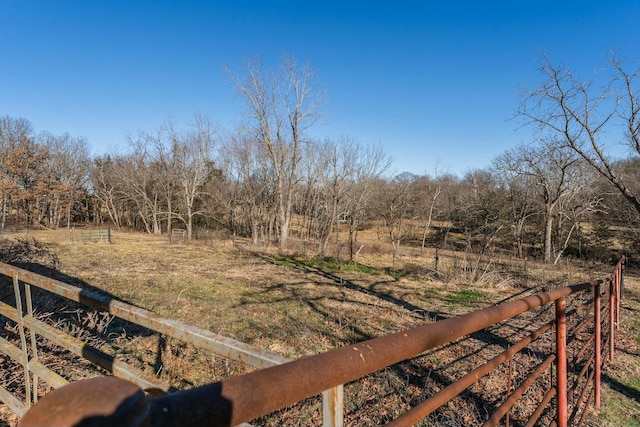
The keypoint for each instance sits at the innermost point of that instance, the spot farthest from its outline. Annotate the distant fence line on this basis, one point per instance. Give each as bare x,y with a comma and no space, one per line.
92,235
178,234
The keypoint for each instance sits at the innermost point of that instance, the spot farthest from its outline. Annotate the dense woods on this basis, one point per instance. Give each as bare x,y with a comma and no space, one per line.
269,182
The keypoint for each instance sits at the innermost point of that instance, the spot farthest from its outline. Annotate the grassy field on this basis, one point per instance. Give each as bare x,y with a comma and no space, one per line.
297,306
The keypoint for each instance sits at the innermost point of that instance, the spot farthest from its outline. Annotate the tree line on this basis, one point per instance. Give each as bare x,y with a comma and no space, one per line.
267,180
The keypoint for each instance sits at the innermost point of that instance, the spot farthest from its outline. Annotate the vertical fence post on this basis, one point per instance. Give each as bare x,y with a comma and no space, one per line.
34,341
23,341
597,344
612,318
332,407
622,278
618,275
561,361
509,384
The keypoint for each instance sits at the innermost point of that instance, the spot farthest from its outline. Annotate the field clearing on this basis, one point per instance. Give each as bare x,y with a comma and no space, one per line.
295,306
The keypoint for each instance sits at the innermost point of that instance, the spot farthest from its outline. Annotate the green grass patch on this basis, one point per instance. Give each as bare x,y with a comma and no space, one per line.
618,410
326,264
334,265
464,297
634,326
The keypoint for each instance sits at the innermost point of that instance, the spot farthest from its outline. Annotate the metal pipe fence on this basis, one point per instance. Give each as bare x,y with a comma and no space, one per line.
571,369
30,327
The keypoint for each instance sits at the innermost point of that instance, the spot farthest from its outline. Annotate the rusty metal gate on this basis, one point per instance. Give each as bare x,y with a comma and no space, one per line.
233,401
29,327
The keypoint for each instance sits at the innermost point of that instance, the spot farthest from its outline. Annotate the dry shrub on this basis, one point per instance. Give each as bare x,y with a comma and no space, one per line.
417,271
30,254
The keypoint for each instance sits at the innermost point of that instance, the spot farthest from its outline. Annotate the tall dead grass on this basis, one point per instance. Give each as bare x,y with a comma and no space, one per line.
295,305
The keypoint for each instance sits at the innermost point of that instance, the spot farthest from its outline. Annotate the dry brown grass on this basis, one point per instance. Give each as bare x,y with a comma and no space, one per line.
298,306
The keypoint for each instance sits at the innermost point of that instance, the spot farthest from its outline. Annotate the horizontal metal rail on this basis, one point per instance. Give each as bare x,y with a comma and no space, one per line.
243,398
517,393
223,346
218,344
424,409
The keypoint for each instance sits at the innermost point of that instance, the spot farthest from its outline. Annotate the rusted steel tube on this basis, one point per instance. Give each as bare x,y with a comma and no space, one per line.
494,420
242,398
227,402
618,275
598,344
541,407
582,374
621,280
561,368
580,403
97,402
582,326
611,319
283,385
584,413
423,409
583,350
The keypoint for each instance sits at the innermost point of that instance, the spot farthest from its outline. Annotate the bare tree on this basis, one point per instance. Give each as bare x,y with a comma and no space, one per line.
582,112
370,163
192,158
158,148
139,184
395,201
249,195
107,189
428,190
521,197
558,174
283,105
341,157
478,209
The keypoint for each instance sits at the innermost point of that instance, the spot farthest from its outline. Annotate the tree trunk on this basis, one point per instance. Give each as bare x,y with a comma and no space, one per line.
548,228
4,211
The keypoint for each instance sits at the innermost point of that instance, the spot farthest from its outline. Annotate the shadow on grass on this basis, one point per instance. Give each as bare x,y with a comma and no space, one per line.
417,373
628,391
88,320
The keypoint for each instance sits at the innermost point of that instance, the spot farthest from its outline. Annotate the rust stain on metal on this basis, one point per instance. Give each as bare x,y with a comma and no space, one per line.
494,420
103,401
422,410
561,366
541,407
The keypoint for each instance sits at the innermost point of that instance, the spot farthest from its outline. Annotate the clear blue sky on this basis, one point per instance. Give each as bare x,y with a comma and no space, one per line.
430,81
